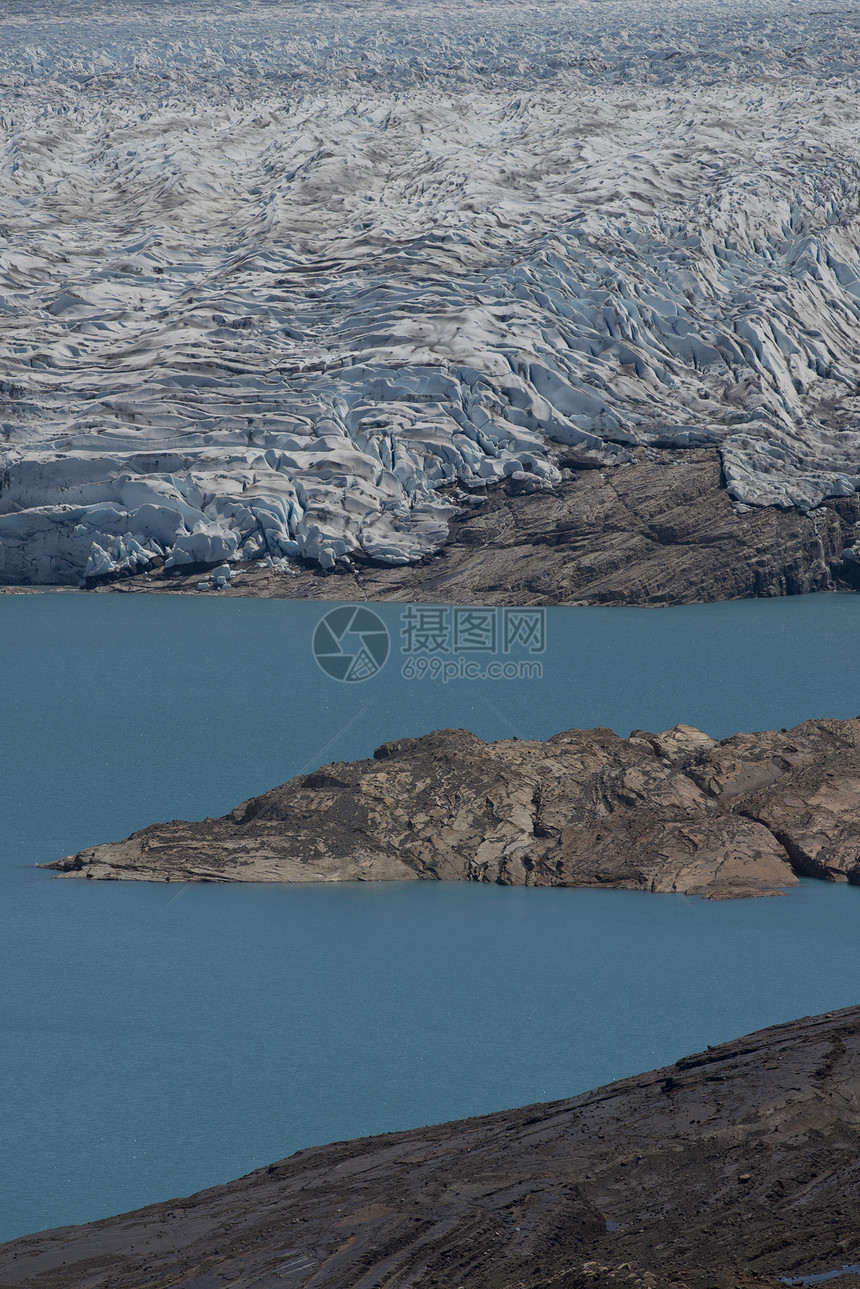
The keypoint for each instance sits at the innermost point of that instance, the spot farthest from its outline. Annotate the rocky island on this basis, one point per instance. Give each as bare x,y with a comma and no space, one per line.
736,1168
676,811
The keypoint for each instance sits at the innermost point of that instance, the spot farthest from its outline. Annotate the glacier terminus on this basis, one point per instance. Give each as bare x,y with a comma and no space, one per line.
292,283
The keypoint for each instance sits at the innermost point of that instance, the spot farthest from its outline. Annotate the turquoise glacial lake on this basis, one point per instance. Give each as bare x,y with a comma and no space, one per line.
155,1040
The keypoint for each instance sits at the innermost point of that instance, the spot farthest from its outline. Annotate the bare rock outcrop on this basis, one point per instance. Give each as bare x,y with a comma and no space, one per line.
736,1168
657,531
676,811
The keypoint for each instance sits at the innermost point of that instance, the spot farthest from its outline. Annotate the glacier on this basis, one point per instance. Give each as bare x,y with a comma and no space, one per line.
291,282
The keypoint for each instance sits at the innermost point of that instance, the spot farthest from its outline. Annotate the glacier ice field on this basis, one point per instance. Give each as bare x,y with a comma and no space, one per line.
290,280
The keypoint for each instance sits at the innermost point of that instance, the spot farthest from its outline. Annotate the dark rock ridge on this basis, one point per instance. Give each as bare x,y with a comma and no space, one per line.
660,531
736,1167
676,811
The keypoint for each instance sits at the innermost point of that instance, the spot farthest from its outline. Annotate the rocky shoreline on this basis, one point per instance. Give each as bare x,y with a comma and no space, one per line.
661,530
736,1168
676,811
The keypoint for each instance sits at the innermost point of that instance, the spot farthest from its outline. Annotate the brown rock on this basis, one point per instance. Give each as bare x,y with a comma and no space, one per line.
660,531
670,812
805,790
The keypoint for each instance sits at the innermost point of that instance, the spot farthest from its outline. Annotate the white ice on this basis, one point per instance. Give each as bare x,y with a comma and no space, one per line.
270,274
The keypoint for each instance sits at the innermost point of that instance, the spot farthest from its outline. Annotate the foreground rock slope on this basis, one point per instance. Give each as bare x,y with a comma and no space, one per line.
676,811
735,1167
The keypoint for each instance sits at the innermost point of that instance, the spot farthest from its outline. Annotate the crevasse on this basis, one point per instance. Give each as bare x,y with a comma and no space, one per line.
269,279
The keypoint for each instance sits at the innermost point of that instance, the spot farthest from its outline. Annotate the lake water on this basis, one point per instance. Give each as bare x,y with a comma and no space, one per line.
156,1041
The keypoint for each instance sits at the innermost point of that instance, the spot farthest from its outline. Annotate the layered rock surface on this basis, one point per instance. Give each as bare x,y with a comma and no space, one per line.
657,531
675,811
734,1168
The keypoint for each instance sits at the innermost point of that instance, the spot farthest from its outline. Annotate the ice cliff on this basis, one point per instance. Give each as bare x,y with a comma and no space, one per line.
270,275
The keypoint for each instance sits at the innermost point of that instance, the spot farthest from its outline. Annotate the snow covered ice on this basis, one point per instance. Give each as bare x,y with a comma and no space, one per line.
272,273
